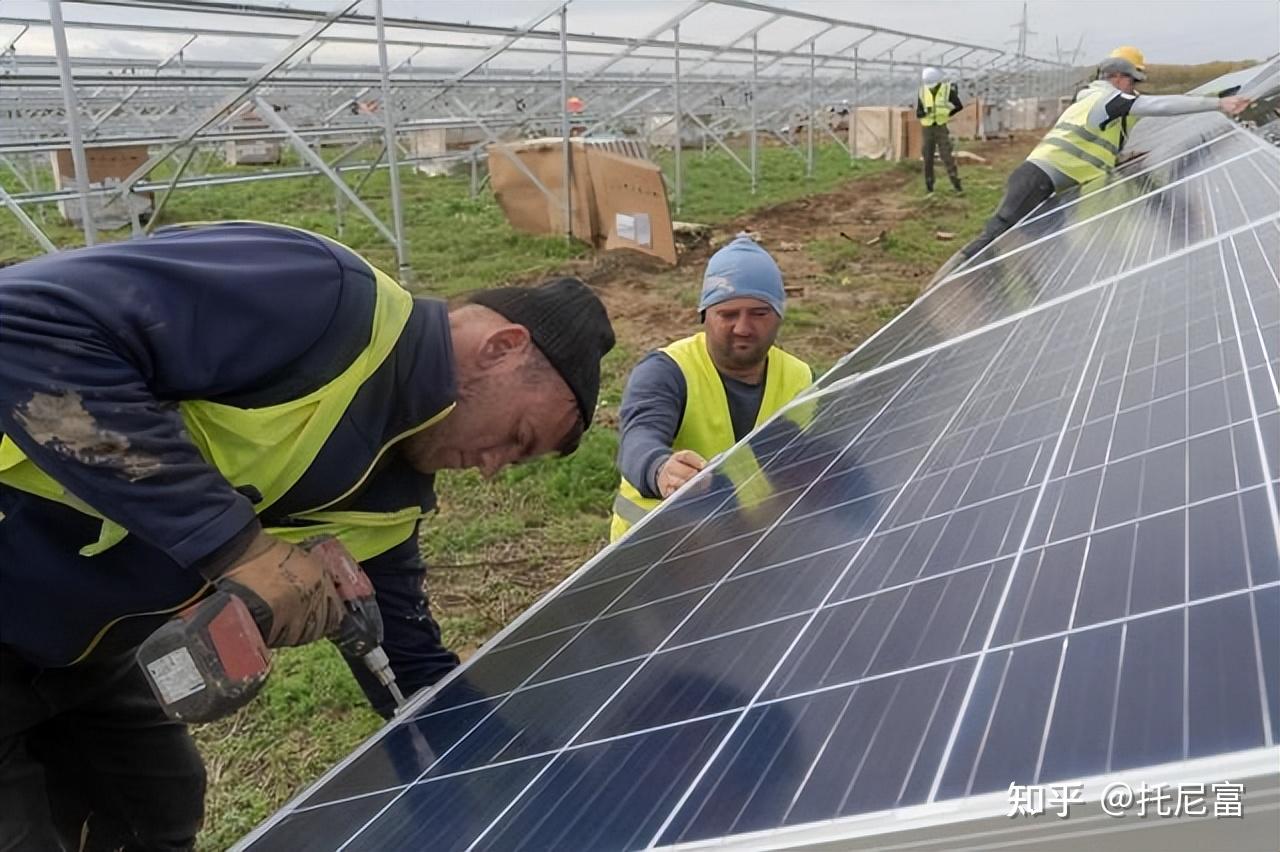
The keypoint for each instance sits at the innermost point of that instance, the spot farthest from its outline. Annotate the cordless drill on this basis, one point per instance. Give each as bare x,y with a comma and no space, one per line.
211,660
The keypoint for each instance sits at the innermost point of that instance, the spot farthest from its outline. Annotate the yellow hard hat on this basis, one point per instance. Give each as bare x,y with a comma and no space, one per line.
1132,54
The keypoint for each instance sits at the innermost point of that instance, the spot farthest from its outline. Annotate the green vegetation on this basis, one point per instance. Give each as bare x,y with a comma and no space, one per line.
1175,79
717,189
944,212
456,243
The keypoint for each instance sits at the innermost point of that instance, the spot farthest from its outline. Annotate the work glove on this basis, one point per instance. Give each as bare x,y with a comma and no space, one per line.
288,592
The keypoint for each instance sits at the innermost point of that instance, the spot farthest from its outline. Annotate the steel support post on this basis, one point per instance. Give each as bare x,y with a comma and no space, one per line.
314,159
32,227
389,129
707,131
752,95
168,190
503,150
853,109
679,143
564,123
244,90
813,110
72,107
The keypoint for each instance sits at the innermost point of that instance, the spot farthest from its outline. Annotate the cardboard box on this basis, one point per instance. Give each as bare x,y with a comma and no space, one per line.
106,166
617,201
964,124
894,133
116,162
527,208
631,205
1029,113
251,152
884,132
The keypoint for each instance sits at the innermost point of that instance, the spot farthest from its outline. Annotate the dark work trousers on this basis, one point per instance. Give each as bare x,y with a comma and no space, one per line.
937,137
88,760
1028,186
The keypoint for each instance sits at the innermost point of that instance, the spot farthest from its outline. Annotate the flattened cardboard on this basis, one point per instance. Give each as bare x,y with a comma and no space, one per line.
618,201
527,207
631,192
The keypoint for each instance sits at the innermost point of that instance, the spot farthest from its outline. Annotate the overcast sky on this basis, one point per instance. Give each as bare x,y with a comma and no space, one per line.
1169,31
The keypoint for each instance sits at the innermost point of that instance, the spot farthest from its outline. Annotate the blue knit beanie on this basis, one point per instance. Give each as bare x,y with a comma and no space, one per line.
742,270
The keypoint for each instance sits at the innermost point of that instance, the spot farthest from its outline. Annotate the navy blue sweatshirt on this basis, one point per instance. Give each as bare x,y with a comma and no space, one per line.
116,335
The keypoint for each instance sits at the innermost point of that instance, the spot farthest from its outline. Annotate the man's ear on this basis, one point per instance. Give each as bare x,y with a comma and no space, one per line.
503,344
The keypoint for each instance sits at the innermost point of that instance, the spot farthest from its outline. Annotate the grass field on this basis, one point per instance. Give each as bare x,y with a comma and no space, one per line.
496,546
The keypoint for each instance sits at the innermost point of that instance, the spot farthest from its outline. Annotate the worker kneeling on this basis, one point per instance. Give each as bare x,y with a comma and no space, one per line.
695,398
228,416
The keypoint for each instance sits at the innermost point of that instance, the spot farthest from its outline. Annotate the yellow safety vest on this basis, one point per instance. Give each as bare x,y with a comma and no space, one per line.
270,448
937,110
706,427
1079,151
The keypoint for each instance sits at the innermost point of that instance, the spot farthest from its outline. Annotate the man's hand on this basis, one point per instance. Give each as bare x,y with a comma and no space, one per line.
287,590
1234,104
678,469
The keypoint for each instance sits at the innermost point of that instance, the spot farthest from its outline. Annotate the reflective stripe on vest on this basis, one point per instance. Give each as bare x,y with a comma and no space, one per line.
706,427
937,108
1081,151
270,448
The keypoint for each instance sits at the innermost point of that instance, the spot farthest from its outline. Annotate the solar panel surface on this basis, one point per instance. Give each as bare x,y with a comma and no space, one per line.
1028,533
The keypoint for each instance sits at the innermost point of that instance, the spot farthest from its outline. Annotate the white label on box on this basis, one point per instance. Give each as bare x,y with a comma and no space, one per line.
644,233
634,229
176,676
625,226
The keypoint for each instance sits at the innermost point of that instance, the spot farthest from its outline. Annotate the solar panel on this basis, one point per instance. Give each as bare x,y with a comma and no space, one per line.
1028,534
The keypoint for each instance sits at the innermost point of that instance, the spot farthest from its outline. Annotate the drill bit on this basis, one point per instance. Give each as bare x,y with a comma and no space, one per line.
377,662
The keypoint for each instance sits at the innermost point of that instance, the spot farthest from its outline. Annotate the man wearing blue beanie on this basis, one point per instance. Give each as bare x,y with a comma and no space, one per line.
695,398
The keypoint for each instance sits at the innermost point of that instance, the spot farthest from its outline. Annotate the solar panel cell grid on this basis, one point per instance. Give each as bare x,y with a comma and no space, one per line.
1028,533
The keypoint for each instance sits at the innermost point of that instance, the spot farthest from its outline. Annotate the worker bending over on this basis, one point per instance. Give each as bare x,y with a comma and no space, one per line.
175,414
699,396
937,101
1085,141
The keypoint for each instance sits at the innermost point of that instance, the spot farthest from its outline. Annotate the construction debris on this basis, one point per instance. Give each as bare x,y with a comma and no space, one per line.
690,235
969,157
944,235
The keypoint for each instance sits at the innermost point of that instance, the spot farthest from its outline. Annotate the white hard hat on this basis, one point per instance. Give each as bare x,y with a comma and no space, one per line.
931,76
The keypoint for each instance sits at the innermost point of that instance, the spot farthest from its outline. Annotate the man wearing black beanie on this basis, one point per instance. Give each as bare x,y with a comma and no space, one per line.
176,415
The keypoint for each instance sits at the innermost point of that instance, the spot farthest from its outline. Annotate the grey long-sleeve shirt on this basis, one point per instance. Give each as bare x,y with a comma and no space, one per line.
652,408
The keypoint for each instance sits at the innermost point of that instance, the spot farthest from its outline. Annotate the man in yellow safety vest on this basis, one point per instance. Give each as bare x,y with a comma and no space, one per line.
176,415
699,396
1085,141
937,101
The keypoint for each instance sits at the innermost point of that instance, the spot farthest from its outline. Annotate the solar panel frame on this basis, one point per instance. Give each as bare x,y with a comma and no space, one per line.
1257,363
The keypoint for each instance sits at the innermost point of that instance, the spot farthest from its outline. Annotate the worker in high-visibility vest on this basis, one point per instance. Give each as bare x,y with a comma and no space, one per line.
176,414
936,102
1085,142
697,397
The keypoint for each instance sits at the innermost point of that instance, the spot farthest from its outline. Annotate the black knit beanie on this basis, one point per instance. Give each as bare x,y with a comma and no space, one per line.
568,323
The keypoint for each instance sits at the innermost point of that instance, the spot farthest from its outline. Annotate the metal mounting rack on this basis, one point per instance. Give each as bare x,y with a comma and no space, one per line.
351,76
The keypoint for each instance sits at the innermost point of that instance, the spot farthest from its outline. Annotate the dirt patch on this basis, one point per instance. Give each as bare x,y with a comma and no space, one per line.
60,422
